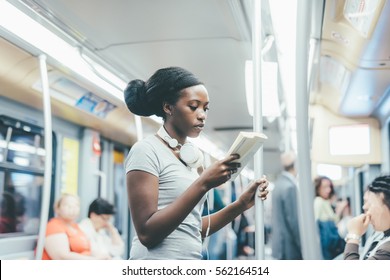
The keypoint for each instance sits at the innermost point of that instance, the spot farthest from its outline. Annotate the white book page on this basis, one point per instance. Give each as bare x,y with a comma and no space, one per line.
246,145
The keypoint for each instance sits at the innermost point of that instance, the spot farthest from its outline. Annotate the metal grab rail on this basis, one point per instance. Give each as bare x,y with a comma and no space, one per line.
308,230
48,156
258,124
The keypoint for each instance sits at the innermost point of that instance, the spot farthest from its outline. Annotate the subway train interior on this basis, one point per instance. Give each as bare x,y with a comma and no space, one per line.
313,76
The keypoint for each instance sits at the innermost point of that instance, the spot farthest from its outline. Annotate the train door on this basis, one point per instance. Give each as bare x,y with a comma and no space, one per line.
22,157
112,166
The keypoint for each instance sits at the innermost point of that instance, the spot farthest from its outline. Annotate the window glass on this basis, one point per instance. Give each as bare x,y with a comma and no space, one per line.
20,202
21,177
26,149
3,144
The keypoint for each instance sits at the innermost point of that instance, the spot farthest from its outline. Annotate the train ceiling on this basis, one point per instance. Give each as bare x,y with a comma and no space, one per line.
134,38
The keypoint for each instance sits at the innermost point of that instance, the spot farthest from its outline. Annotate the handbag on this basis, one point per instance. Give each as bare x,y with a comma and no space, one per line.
332,244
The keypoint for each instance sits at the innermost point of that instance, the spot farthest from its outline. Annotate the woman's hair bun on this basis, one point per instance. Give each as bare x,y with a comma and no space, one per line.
146,98
136,99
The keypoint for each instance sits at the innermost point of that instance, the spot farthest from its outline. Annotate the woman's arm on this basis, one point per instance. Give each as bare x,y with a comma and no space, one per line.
383,252
224,216
57,247
153,225
116,244
116,238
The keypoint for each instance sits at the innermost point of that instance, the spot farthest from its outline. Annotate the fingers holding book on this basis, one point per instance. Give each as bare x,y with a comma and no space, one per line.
232,168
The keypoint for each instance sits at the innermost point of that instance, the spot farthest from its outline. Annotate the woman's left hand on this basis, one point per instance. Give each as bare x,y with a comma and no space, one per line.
247,198
358,225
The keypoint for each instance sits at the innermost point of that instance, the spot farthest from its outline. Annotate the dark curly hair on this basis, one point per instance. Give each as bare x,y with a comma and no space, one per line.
165,85
381,184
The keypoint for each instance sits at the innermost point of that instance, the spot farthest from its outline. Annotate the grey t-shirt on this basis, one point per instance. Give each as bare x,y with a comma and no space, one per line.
152,156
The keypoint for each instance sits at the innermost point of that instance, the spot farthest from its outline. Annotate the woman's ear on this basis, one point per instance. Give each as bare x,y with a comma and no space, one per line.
167,108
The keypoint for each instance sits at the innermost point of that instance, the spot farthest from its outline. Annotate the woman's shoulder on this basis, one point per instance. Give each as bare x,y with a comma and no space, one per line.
319,199
86,225
55,225
144,155
56,221
319,202
148,143
385,246
383,251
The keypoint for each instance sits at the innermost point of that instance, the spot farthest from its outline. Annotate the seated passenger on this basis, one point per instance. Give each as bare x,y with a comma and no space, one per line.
104,237
64,238
377,212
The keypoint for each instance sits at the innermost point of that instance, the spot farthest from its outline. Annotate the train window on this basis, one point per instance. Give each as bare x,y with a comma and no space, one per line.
21,144
345,141
349,139
332,171
3,143
21,177
20,202
26,149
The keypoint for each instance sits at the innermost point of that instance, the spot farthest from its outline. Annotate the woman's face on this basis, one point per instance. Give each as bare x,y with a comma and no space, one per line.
190,111
378,212
100,221
325,189
69,208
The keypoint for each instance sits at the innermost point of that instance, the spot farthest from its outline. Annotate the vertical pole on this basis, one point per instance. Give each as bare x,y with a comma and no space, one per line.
308,229
257,124
48,157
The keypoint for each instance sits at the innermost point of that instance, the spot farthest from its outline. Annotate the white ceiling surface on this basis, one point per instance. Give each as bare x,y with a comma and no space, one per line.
138,37
212,39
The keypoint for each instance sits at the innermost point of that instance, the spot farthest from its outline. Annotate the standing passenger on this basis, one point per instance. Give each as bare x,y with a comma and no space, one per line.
286,244
165,183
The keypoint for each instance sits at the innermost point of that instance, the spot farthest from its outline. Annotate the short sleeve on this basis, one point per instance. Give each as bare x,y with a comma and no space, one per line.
143,157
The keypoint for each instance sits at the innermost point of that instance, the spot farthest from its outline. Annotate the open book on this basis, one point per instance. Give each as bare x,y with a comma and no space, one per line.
246,145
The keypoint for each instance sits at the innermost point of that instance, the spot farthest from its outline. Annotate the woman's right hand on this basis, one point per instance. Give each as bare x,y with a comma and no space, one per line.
219,172
358,225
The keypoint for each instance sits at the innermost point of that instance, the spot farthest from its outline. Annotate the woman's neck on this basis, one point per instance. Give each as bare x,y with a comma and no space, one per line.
64,220
173,134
